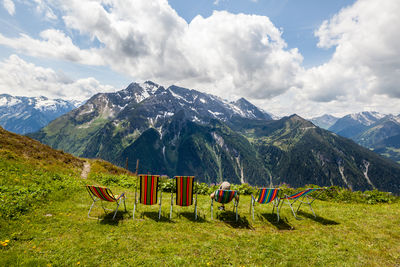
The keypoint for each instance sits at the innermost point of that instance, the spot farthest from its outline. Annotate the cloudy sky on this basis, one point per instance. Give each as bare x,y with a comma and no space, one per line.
307,57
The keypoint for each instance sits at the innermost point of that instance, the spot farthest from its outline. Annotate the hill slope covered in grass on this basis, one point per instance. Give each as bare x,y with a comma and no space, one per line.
52,229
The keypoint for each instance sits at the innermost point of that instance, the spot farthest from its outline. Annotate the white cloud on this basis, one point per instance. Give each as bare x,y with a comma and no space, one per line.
366,61
42,7
53,44
224,53
234,54
18,77
9,6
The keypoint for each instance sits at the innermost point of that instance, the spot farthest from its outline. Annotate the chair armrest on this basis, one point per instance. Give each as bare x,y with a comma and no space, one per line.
122,195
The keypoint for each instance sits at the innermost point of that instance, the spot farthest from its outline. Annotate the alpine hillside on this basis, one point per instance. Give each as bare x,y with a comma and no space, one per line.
177,131
23,115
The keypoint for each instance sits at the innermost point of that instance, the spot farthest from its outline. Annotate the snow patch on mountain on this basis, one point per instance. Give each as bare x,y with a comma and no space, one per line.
367,117
22,114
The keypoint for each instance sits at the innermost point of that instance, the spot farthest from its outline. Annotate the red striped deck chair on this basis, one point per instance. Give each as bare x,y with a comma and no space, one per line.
148,192
303,197
98,193
184,193
265,196
226,196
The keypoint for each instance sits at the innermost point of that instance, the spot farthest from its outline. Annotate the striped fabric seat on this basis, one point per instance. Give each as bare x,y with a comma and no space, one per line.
302,193
266,195
301,197
224,196
184,194
101,192
148,189
184,190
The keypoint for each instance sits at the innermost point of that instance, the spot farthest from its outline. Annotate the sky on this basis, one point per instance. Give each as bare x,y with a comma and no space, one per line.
308,57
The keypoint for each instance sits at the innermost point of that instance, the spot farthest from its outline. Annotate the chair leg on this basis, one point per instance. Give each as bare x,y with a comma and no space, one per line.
294,214
159,210
170,210
195,208
116,210
94,201
124,204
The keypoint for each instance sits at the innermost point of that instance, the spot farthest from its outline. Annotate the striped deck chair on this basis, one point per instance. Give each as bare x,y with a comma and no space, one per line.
98,193
265,196
148,192
303,197
224,197
184,193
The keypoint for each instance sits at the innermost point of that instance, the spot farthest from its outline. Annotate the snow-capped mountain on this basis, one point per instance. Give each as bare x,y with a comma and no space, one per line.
373,130
353,124
367,117
325,121
156,104
178,131
23,115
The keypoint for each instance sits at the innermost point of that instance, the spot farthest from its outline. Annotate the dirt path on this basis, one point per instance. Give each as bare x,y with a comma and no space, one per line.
85,170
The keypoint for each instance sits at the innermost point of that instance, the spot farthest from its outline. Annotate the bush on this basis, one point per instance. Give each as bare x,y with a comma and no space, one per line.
17,199
244,189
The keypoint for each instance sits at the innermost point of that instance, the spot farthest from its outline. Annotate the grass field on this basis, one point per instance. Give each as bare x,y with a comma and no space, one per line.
43,222
59,233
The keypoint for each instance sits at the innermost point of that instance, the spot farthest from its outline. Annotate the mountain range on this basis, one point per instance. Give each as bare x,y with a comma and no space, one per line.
178,131
373,130
23,115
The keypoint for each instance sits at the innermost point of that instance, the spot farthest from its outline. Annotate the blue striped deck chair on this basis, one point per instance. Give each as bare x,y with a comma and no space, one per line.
265,196
303,197
99,193
224,197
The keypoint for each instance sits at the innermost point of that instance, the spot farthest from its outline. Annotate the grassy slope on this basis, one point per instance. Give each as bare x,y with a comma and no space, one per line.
342,234
55,229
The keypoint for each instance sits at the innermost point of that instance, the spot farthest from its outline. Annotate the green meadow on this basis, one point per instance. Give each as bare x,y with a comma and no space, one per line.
44,205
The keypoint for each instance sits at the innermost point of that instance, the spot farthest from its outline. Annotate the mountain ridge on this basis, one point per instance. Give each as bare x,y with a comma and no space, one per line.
178,131
21,114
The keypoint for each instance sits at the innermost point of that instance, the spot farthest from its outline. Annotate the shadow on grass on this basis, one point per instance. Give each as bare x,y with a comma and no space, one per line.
283,223
318,219
229,217
190,216
154,216
108,218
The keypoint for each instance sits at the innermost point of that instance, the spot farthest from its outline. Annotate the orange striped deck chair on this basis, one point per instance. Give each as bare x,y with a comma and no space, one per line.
303,197
99,193
184,193
265,196
226,196
148,192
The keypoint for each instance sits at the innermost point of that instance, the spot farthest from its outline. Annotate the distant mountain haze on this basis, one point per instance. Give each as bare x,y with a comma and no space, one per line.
23,115
178,131
372,130
325,121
